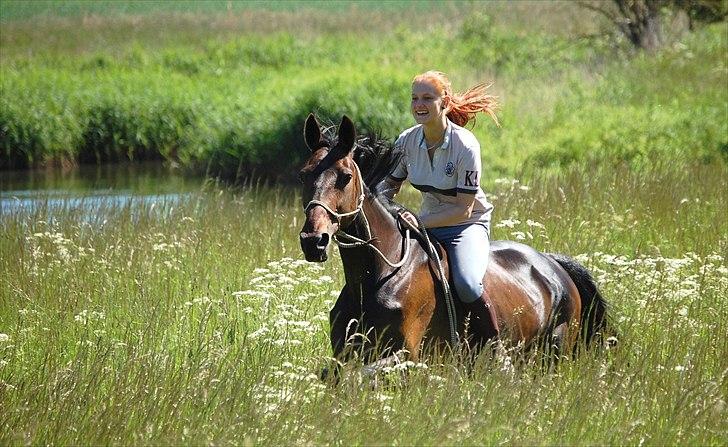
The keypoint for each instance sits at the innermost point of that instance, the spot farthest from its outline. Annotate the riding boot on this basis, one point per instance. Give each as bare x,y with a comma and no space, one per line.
483,320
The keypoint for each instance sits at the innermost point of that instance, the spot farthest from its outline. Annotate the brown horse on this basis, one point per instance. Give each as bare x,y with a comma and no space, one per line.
393,298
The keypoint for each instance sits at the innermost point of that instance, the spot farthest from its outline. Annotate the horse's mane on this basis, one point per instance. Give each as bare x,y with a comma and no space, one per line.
377,158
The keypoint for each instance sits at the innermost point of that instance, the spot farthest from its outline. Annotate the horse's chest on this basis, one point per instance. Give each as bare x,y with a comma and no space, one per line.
380,311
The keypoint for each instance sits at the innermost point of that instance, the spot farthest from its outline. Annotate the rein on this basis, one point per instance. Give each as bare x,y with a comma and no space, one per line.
449,303
354,242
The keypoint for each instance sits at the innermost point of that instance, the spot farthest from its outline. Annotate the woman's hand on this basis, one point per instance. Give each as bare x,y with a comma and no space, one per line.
409,218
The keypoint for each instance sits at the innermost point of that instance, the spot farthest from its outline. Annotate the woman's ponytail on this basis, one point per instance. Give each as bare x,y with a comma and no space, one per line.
463,106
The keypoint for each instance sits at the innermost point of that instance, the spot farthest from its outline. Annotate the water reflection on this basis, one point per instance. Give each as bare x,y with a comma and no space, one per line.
91,188
137,178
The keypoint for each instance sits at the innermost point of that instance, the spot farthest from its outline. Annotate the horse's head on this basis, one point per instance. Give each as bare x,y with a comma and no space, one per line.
332,187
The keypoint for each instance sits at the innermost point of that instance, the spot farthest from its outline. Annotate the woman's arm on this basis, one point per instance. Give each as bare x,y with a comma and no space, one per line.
453,215
393,187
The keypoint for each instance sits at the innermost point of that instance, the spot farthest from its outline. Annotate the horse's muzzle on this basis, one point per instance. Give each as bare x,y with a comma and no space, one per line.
314,246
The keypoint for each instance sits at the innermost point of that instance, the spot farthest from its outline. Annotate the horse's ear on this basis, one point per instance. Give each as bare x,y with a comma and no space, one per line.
347,135
312,131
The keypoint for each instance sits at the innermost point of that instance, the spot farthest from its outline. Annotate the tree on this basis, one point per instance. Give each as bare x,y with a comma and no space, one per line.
641,20
706,11
638,20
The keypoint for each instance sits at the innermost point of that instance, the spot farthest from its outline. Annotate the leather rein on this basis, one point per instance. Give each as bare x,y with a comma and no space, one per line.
345,241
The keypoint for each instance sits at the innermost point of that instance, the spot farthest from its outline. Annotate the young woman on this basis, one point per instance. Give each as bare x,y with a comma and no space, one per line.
442,160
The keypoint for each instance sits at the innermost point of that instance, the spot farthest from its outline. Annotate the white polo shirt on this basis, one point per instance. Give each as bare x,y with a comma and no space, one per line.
455,168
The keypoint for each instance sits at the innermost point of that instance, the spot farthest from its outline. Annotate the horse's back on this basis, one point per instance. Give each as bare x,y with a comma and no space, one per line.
529,289
522,260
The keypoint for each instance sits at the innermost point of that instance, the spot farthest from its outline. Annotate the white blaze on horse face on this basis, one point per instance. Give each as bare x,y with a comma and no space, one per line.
318,221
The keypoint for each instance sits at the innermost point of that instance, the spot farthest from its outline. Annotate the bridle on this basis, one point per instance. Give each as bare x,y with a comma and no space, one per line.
352,241
355,242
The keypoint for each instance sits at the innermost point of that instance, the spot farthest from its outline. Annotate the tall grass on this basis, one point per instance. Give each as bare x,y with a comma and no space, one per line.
197,322
231,102
14,10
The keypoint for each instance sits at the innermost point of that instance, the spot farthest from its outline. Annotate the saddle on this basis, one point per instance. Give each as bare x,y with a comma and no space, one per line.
482,311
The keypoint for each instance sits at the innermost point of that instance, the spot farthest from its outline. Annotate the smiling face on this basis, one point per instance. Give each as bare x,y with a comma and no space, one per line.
428,105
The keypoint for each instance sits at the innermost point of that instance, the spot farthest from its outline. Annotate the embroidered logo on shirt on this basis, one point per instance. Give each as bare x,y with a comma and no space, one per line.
449,169
471,178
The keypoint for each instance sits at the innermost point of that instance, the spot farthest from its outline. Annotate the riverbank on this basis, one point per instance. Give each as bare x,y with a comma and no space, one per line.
231,102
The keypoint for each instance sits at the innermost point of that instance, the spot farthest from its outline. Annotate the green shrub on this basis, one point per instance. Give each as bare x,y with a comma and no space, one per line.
235,106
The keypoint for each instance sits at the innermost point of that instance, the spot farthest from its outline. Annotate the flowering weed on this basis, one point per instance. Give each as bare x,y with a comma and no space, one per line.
202,326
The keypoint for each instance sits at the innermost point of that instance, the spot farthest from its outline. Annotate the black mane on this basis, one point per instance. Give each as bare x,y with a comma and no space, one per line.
376,157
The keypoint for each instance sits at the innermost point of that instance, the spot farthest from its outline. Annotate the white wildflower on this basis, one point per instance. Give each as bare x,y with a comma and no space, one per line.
519,235
203,300
262,331
532,223
509,223
291,342
82,317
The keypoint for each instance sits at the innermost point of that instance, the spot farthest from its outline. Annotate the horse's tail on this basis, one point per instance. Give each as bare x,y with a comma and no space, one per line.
595,323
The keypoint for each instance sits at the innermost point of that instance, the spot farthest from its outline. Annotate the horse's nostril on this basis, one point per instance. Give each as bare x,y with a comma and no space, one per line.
313,241
323,241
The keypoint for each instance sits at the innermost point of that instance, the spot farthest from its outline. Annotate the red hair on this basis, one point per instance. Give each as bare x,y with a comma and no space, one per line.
463,106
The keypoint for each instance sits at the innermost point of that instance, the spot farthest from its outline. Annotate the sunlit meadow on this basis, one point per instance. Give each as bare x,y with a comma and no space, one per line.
197,322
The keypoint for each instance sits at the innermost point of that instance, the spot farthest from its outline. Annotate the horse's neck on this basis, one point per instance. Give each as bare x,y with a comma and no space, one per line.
377,223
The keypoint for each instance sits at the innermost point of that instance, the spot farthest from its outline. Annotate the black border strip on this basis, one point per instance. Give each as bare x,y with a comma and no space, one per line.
427,188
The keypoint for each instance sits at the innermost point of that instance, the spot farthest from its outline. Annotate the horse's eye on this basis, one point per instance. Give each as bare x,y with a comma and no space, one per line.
343,180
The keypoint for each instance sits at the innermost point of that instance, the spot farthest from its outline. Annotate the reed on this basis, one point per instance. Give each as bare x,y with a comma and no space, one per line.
197,322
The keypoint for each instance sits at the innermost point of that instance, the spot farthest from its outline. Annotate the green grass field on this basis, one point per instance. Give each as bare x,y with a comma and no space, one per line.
168,329
197,322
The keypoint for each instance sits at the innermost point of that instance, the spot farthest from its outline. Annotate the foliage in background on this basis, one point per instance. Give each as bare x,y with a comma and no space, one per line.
643,22
194,321
232,104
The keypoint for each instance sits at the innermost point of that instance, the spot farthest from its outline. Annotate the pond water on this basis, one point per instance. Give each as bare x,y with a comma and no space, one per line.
90,188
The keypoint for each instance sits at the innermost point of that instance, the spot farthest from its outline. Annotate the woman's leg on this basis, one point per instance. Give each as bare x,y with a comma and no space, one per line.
468,250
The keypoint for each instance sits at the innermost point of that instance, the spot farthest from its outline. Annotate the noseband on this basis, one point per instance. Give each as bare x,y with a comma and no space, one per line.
339,216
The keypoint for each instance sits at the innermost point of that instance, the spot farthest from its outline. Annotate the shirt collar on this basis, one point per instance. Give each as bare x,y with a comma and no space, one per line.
445,141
